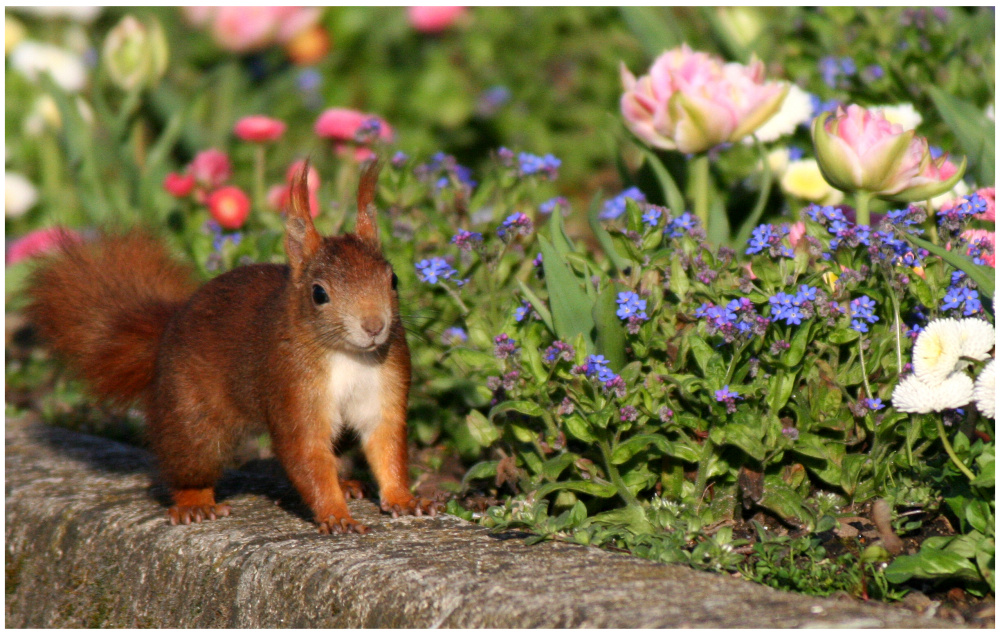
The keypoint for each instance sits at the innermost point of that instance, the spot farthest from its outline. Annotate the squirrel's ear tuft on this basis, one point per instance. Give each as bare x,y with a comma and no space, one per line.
301,238
367,227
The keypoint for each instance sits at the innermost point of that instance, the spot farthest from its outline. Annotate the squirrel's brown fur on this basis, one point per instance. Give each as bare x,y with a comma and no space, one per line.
302,350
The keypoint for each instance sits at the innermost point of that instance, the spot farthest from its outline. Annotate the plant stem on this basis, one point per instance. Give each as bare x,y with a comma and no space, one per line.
701,480
259,171
862,215
699,182
457,298
951,451
864,371
899,334
616,478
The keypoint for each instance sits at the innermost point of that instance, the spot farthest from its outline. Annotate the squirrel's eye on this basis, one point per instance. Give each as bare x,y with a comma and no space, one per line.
395,281
319,295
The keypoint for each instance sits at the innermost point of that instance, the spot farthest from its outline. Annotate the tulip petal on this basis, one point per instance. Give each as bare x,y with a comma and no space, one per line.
701,124
837,161
927,191
881,164
760,115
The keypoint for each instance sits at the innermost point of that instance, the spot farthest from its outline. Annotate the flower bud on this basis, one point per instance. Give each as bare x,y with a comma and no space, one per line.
135,54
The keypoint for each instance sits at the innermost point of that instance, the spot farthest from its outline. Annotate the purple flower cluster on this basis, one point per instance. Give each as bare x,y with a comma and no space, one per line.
961,296
832,69
517,224
559,350
793,308
630,305
767,236
982,251
505,346
628,413
466,240
886,246
683,224
652,215
444,169
728,397
862,313
522,311
596,367
434,269
738,318
529,164
615,207
951,219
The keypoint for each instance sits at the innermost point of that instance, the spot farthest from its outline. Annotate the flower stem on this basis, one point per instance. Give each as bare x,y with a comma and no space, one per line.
699,181
616,478
457,298
701,480
862,215
258,177
864,371
951,451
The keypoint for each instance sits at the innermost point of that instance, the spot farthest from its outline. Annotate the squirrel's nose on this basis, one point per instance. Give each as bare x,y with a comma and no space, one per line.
373,325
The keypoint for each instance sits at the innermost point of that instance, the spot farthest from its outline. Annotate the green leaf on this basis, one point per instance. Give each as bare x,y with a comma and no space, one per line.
745,435
625,451
679,282
483,469
974,131
779,389
484,432
601,490
797,347
569,303
557,234
579,427
538,306
529,408
553,467
785,501
702,352
610,332
931,564
843,336
633,518
604,238
982,275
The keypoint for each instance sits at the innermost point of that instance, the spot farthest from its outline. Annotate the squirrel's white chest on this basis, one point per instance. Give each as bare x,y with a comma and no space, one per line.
355,393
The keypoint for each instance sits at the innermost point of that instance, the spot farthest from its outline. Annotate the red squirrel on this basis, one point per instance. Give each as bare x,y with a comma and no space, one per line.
305,350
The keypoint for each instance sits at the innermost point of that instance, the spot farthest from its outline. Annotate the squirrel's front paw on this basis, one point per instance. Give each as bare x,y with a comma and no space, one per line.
344,525
187,514
412,507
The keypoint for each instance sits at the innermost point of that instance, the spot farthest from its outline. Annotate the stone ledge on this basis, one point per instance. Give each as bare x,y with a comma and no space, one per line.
87,545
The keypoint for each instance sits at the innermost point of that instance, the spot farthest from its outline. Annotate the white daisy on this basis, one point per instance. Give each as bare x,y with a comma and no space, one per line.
937,350
977,338
985,391
953,392
913,395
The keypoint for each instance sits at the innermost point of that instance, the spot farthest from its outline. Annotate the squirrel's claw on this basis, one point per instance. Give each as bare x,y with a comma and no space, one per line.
352,488
187,514
413,507
345,525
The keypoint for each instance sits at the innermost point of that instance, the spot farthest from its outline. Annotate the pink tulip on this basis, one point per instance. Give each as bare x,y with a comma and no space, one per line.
178,185
229,206
859,150
433,19
211,168
352,131
40,242
692,101
259,129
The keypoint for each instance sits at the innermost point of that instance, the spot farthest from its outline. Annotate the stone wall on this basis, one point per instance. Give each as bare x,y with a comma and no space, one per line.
88,545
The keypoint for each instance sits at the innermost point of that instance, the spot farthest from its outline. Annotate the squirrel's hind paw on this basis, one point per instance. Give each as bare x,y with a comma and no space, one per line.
413,507
352,488
187,514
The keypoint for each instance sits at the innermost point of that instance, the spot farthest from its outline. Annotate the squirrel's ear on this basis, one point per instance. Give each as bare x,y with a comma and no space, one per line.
301,238
366,227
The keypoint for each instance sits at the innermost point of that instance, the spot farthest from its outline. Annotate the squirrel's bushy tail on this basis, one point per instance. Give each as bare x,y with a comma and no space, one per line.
103,306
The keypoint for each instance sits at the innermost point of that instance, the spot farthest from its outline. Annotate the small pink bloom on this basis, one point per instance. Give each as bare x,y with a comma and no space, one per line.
292,21
352,130
179,185
39,242
259,129
211,168
692,101
433,19
198,16
859,150
797,234
244,29
229,206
